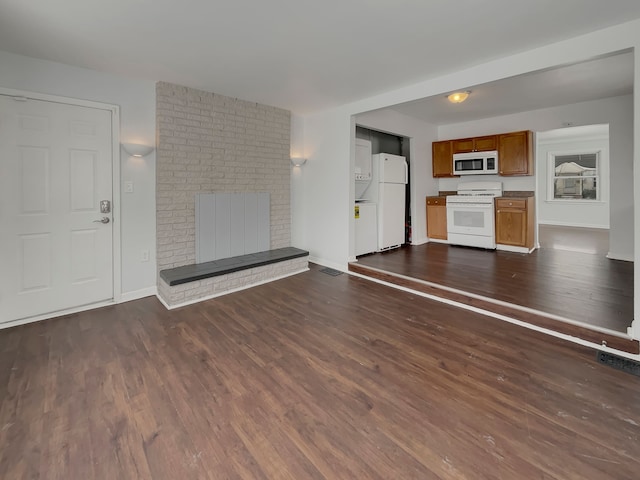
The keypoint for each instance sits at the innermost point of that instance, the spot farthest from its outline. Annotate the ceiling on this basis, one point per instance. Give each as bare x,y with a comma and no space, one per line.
599,78
302,55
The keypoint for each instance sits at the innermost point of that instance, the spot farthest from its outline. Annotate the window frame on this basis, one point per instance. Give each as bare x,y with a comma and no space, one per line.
551,176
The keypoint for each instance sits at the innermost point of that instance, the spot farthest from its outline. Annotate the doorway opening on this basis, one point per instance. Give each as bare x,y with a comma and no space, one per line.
382,142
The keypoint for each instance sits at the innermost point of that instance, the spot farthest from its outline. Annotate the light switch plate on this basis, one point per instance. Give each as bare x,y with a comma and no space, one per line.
128,186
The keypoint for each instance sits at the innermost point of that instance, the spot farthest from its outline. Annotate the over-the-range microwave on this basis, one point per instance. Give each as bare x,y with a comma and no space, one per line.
475,163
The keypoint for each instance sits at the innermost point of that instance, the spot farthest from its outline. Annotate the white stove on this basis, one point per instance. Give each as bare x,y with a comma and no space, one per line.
476,192
470,214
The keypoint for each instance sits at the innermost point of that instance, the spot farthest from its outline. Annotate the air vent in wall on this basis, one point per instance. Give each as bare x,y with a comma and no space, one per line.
619,363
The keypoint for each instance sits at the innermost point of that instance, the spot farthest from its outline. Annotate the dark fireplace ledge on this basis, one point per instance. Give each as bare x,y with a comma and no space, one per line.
199,271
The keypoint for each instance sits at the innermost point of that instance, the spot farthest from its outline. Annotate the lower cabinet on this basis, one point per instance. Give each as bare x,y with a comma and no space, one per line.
515,223
437,218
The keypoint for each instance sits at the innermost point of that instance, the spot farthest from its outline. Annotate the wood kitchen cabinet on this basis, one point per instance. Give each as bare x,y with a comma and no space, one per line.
477,144
514,223
437,217
515,153
442,159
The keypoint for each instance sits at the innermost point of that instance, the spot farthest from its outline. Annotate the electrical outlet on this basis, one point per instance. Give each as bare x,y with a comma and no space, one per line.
145,256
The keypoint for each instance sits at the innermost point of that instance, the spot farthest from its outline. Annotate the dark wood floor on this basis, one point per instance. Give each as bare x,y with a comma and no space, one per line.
310,377
579,286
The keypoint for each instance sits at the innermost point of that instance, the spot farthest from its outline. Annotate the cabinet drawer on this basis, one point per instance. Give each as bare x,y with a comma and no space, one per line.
436,200
519,203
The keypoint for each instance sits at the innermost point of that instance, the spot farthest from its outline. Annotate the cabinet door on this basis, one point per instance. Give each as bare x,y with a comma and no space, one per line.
511,227
515,153
477,144
462,145
485,144
437,221
442,159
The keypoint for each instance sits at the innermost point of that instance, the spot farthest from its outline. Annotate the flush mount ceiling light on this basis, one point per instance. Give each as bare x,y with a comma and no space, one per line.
458,97
137,149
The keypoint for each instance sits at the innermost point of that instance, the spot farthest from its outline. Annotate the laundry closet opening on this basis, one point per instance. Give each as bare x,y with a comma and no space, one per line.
381,143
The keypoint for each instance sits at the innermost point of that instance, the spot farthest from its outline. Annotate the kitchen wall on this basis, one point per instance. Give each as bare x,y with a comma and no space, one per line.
136,99
577,213
212,143
615,111
329,137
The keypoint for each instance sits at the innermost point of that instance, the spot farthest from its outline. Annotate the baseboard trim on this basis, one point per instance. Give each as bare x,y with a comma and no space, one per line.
622,256
326,263
137,294
511,248
576,225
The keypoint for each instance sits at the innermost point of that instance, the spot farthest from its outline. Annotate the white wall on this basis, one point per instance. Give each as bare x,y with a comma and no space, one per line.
136,99
576,213
615,111
421,136
329,137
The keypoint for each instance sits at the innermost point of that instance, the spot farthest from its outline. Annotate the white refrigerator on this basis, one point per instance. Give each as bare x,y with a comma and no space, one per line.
389,180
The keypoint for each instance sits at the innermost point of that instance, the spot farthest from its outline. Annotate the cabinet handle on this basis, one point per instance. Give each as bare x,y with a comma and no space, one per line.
510,204
436,201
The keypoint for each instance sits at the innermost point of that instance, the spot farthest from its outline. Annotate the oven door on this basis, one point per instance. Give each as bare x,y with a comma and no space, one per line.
470,219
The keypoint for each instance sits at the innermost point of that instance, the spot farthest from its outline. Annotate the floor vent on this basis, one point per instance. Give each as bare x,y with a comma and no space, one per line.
331,271
619,363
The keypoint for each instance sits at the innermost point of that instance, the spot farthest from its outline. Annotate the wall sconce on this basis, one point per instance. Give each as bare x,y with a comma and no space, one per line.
298,162
458,97
137,149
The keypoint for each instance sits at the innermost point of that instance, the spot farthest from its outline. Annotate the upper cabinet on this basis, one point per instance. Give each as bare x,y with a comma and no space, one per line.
442,159
477,144
515,153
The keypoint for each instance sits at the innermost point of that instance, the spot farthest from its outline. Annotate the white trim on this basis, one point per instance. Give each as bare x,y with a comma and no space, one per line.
421,241
231,290
620,256
115,180
137,294
59,313
438,240
520,323
496,302
569,224
326,263
513,248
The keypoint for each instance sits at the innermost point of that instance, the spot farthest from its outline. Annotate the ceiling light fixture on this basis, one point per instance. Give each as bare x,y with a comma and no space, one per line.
458,97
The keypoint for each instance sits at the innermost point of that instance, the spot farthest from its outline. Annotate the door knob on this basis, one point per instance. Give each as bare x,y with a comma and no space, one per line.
103,220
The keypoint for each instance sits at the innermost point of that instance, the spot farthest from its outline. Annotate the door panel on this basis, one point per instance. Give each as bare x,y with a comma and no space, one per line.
391,215
55,167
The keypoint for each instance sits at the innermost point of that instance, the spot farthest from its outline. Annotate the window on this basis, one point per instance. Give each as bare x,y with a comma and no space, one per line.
575,176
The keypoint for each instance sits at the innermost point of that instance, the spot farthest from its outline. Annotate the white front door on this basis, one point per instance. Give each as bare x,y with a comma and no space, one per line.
55,169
